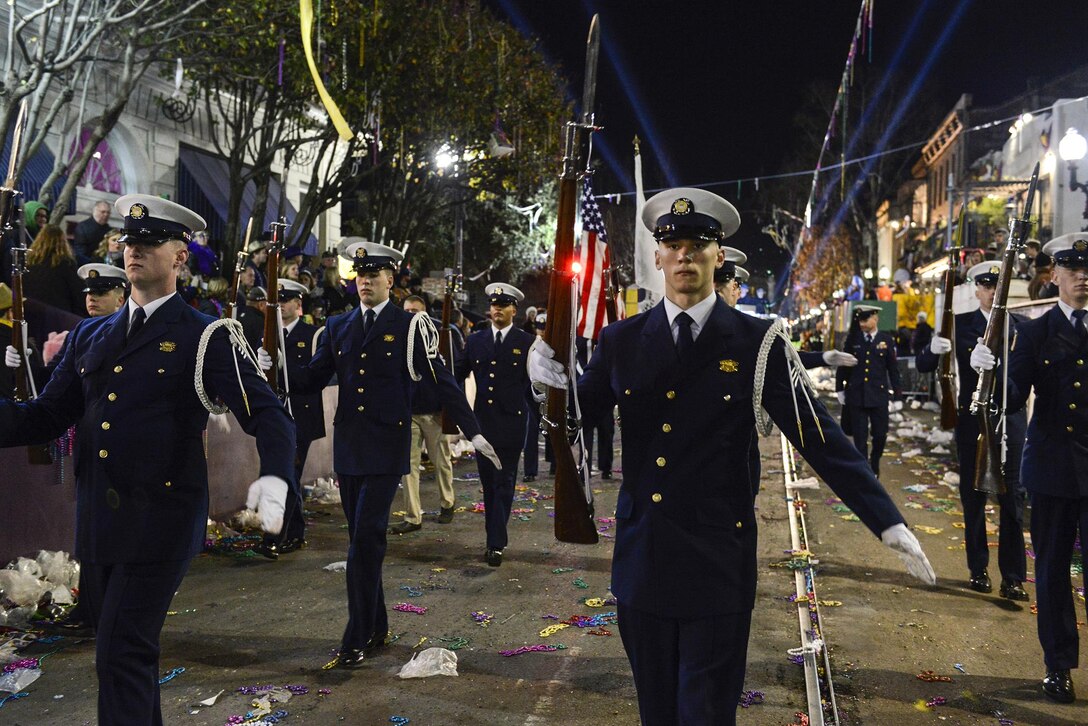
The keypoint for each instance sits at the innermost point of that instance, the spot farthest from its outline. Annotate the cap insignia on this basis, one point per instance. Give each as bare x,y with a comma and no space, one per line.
1080,245
361,252
499,291
137,211
93,273
682,206
995,270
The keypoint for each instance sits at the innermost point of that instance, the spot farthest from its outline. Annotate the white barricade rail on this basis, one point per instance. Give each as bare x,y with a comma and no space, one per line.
813,637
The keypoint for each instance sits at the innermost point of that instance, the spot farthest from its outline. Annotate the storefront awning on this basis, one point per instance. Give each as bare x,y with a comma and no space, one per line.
34,174
204,186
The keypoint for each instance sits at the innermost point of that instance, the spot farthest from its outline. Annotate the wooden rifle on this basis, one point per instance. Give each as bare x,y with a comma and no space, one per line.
445,338
12,221
454,283
272,325
611,302
239,267
946,376
573,497
989,452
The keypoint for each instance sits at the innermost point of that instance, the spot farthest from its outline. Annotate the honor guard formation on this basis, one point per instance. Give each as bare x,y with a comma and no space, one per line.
281,418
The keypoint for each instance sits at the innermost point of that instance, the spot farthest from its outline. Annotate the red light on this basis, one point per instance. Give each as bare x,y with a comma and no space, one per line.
576,267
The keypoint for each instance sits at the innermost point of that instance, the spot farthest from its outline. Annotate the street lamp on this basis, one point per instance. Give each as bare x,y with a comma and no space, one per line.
885,273
1072,149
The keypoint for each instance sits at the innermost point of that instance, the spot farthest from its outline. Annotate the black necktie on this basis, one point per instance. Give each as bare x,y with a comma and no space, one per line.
498,342
138,319
684,340
868,339
1078,324
368,321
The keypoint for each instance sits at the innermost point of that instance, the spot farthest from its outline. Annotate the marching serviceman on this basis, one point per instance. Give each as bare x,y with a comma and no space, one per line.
308,410
1050,354
105,287
426,427
377,352
730,275
867,390
127,382
1011,558
498,358
686,376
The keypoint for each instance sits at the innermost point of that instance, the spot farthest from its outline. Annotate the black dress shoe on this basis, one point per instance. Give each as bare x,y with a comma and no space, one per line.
606,475
529,478
349,658
1013,591
268,549
494,558
981,583
1058,686
68,627
377,643
445,515
405,528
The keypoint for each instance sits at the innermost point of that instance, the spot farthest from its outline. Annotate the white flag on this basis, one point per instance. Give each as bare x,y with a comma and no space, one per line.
647,276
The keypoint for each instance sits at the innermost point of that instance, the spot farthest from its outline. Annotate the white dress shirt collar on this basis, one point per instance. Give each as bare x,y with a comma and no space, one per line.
149,309
377,308
699,312
505,331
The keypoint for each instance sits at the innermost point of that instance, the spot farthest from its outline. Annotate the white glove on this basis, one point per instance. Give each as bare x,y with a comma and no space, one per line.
836,358
939,345
268,497
264,360
981,358
544,368
905,544
841,395
895,406
482,446
12,358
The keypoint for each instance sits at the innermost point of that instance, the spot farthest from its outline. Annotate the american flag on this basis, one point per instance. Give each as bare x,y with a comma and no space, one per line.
596,261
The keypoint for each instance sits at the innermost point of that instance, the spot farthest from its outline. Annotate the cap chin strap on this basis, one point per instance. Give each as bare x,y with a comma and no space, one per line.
799,382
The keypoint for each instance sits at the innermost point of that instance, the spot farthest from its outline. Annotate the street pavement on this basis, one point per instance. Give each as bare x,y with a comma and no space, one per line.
244,621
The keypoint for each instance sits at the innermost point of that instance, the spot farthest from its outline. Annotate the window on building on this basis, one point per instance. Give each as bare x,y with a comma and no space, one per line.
103,173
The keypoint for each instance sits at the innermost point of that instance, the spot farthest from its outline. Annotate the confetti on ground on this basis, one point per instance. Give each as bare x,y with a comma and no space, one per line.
404,607
541,648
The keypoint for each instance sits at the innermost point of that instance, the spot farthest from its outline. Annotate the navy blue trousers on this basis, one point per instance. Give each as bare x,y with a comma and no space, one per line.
605,429
686,671
532,442
860,419
498,494
1054,525
127,605
1011,558
294,525
366,501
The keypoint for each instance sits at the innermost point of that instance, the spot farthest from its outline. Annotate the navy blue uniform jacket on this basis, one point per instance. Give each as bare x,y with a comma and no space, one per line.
969,328
867,383
307,408
372,428
502,384
1048,355
141,473
685,511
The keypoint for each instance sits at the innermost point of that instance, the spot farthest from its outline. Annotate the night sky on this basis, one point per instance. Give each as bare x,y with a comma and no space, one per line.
711,87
